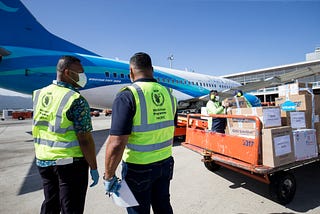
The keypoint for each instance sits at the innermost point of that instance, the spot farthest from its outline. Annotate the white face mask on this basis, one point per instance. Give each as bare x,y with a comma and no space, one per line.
82,79
217,98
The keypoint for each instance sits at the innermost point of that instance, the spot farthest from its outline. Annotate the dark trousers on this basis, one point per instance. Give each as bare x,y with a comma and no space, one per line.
64,187
150,185
219,125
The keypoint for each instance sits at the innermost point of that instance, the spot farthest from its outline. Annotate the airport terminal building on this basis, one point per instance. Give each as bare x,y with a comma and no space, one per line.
269,94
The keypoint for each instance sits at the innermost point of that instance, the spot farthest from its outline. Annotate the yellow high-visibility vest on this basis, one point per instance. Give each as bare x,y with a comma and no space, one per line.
54,135
153,124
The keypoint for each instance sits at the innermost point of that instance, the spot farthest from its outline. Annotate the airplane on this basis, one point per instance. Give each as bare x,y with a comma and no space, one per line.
29,53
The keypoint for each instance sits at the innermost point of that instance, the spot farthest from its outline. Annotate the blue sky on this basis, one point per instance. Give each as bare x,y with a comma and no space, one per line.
209,37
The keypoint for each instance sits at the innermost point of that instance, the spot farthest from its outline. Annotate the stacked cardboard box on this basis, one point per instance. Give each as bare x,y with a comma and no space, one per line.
286,136
307,111
299,119
235,102
303,102
269,117
277,146
294,89
305,144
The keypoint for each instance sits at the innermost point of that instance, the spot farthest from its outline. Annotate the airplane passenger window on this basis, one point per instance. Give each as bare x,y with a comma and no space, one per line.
115,75
128,76
122,76
107,74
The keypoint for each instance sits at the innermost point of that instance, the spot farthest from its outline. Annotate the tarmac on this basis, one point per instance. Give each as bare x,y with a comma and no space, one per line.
194,189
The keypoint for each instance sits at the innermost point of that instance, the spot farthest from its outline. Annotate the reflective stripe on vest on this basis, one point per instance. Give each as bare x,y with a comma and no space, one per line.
56,127
56,144
148,148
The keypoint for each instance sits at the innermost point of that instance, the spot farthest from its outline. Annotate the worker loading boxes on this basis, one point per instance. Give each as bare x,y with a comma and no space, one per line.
264,143
303,120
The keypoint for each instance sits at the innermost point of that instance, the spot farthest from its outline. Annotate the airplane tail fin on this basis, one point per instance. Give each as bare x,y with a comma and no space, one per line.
20,28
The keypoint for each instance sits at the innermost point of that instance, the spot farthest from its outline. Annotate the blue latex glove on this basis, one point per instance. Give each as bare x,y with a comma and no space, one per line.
94,176
112,185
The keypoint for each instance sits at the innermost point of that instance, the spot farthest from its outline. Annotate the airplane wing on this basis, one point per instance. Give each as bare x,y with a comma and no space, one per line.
269,82
278,80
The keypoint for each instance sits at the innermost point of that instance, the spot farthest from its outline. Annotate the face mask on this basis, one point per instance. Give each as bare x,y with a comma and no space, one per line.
82,79
217,98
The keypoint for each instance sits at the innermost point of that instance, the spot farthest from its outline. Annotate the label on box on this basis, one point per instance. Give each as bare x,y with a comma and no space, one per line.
282,145
297,120
271,117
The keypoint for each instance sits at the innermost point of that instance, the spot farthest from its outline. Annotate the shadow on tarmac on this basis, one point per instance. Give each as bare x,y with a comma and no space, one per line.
33,182
307,177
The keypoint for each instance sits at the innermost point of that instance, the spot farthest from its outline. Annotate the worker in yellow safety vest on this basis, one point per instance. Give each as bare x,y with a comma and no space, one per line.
64,146
141,134
214,106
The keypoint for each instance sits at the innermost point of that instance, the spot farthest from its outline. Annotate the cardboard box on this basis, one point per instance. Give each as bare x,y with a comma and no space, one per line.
303,102
269,116
305,144
294,89
235,102
299,119
277,146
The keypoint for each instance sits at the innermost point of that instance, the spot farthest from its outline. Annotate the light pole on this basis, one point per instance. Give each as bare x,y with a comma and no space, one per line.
170,58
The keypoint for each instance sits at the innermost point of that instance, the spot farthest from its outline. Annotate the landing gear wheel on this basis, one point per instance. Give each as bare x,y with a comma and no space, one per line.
282,187
212,166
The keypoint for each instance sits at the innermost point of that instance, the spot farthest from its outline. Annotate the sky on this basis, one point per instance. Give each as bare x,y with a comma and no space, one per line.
204,36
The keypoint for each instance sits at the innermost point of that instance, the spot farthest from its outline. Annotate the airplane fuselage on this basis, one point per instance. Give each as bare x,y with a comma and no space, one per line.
27,69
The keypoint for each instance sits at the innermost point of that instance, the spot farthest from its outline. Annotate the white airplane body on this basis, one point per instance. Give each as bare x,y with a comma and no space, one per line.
29,55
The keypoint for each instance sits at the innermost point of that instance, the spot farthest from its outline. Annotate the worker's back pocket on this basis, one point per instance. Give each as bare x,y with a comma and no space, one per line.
138,180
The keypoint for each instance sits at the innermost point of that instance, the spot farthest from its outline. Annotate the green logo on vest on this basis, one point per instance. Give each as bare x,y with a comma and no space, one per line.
46,100
157,98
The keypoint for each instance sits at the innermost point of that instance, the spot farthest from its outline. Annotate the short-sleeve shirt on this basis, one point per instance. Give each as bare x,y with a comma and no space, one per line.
78,113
